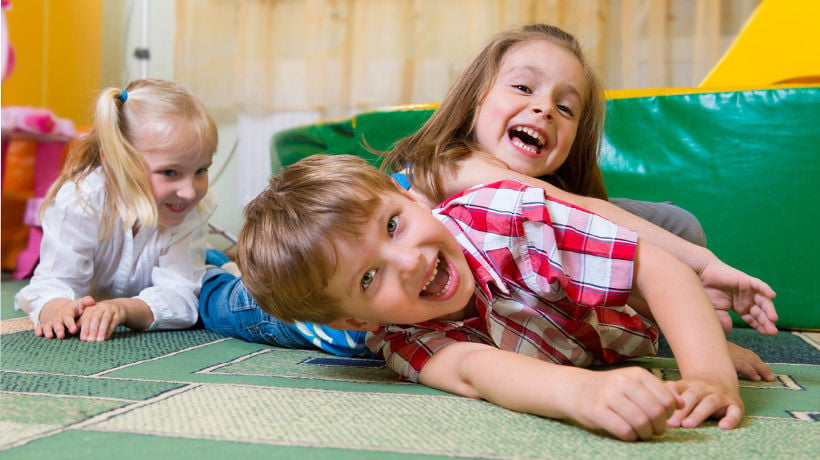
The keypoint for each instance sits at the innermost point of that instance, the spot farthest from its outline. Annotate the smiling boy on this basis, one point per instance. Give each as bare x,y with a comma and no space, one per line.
491,295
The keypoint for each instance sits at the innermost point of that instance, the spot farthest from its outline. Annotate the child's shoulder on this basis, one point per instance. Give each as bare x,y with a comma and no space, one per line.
493,194
86,192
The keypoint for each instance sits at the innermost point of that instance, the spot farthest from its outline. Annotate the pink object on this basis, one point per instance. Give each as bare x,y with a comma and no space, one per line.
36,123
52,134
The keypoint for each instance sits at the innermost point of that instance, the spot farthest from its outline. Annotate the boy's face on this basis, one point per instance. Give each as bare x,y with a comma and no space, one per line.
531,113
405,268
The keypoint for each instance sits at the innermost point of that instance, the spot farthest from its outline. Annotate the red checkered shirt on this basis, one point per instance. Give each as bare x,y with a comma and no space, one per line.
552,281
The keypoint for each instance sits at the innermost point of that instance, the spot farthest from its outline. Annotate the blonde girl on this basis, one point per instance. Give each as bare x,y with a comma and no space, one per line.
124,225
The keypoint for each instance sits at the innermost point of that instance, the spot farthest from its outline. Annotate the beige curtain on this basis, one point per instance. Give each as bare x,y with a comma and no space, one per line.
335,57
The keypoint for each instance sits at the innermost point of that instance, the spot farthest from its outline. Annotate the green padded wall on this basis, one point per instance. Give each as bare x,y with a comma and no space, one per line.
745,162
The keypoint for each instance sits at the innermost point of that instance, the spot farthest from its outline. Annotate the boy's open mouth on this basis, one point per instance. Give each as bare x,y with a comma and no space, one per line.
439,280
527,139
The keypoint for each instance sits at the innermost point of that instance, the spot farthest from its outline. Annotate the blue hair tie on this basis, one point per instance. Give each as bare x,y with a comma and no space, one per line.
124,96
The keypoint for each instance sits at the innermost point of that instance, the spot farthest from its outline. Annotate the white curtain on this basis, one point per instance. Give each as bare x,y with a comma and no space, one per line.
277,63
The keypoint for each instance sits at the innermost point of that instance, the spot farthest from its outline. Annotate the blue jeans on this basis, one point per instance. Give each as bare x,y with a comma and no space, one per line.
227,308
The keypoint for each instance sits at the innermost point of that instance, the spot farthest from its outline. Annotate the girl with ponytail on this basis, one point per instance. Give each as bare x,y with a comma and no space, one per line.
125,224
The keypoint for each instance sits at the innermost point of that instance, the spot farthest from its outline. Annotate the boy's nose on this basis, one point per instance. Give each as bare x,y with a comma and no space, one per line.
408,261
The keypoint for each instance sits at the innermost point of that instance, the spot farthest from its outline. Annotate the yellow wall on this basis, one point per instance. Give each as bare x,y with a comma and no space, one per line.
57,45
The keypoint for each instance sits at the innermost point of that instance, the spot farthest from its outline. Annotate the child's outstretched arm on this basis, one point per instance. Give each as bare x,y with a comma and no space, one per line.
727,288
629,403
680,306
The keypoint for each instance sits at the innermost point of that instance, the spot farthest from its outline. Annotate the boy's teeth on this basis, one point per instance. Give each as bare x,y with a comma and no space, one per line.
434,276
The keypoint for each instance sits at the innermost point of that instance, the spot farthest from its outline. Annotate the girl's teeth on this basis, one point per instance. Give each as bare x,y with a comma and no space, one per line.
518,142
539,139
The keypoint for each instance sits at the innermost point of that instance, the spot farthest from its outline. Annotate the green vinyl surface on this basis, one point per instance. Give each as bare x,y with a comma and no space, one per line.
744,162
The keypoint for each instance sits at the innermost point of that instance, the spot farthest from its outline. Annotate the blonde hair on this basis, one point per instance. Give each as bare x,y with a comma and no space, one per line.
449,135
165,108
286,249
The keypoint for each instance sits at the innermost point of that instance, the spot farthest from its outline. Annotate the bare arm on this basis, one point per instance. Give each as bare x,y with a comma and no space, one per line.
683,311
629,403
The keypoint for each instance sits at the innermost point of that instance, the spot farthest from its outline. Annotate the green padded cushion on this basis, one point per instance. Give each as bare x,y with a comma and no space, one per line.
744,162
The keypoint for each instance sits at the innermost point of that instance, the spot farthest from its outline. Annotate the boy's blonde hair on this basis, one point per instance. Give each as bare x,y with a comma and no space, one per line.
164,109
449,135
286,249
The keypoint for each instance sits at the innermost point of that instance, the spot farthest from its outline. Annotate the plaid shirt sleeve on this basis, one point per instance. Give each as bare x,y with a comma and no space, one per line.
406,348
555,248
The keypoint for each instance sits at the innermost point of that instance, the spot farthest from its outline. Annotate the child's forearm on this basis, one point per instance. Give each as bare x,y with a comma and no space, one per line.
510,380
138,315
629,403
679,305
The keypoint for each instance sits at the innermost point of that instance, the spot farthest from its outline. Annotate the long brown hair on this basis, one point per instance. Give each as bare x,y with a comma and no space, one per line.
449,135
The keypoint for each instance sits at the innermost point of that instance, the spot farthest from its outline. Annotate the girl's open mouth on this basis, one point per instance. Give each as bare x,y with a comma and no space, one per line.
527,139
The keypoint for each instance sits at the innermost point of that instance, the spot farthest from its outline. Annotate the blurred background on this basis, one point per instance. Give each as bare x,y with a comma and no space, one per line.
265,65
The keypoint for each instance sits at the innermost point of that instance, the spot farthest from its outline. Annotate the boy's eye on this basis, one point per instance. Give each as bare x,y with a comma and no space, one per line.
168,172
201,171
392,225
367,279
523,88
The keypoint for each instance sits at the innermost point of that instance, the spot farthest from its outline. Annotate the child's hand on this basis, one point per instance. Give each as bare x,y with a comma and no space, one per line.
704,399
749,365
98,322
749,297
629,402
58,316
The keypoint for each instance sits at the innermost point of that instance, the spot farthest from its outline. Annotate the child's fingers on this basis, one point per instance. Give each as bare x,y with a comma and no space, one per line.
747,370
731,419
763,370
725,320
58,329
687,399
765,314
42,331
68,318
700,412
104,331
91,324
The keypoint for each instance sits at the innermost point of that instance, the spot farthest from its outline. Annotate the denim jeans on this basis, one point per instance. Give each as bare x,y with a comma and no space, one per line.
227,308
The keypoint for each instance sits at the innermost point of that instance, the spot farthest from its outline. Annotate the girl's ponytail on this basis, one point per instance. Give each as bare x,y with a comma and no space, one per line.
128,193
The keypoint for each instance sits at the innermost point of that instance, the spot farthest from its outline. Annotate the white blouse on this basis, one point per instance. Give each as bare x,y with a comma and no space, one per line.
161,266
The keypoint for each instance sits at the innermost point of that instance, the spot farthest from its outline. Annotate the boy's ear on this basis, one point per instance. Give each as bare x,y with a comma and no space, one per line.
352,324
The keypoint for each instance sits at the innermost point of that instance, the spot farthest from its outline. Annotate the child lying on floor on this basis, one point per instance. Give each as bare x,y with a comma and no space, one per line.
503,293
